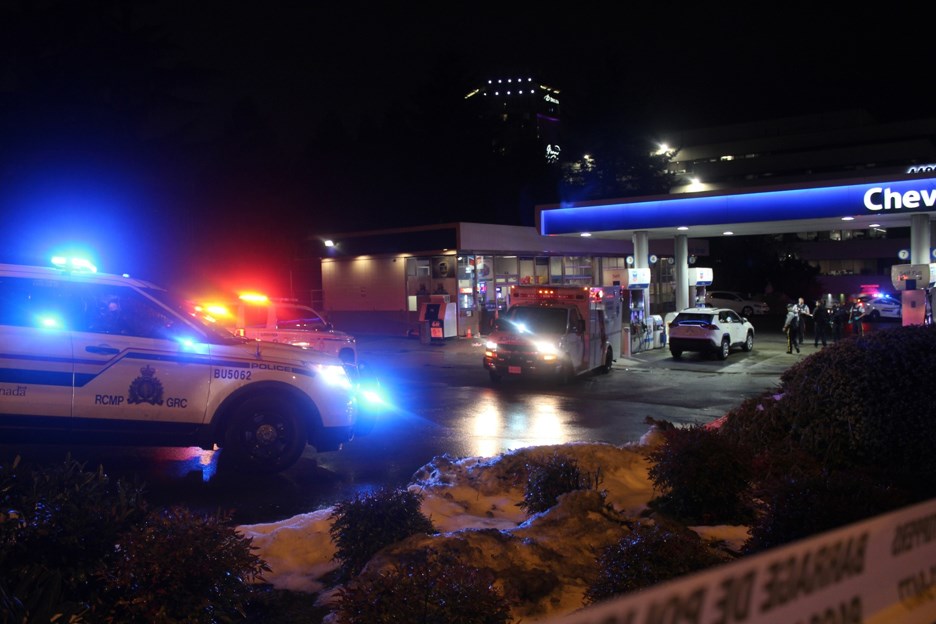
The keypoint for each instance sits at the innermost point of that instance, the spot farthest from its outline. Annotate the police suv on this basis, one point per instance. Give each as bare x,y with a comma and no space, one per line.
280,320
93,357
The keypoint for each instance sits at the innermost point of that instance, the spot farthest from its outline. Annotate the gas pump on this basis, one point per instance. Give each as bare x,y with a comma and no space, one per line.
699,278
915,283
636,329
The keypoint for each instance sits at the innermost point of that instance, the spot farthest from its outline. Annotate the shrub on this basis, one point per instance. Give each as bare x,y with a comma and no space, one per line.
860,403
759,424
177,566
428,587
549,478
652,553
58,524
39,598
58,531
365,524
704,479
812,500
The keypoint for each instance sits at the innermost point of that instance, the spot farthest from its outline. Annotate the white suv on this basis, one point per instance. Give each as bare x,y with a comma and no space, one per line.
709,330
102,358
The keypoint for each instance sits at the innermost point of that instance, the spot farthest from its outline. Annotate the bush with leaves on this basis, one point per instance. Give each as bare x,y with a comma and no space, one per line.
549,478
58,524
759,424
704,479
426,588
859,403
848,435
811,500
363,525
177,566
652,553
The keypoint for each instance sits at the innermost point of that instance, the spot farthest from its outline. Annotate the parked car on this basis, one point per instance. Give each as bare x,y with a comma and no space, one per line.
736,301
881,305
710,330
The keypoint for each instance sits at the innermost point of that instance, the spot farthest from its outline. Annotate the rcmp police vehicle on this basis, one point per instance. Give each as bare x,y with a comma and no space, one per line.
94,357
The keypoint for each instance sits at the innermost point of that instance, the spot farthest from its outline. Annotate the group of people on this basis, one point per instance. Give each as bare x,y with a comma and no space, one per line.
829,321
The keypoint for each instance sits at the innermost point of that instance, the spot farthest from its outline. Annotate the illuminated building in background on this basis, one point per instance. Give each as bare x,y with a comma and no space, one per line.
521,116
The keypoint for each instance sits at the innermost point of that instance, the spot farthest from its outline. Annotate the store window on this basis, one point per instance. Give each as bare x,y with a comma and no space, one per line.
444,269
555,270
577,270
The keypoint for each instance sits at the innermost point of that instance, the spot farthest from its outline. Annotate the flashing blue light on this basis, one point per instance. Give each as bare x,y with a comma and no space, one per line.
49,321
372,397
74,264
192,346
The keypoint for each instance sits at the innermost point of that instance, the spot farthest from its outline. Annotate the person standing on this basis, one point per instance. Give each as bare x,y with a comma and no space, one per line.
802,311
791,328
821,322
855,315
839,320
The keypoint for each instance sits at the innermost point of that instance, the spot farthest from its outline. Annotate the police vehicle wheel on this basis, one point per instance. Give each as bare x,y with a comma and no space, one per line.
749,342
495,378
676,353
724,349
265,434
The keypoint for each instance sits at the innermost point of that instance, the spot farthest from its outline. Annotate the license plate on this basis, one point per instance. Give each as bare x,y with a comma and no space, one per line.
513,370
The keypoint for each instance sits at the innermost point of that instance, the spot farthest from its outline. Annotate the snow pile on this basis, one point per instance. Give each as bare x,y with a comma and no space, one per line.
474,503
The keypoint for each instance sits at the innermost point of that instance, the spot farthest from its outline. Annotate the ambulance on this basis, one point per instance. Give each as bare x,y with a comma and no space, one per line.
98,358
259,317
556,332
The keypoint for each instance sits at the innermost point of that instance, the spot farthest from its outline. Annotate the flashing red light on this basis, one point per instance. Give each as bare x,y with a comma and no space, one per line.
252,297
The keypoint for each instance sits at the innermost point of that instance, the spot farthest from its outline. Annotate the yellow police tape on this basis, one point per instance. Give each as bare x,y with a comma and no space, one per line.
880,571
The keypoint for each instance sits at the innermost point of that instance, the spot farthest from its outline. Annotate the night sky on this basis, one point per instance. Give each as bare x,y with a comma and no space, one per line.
193,143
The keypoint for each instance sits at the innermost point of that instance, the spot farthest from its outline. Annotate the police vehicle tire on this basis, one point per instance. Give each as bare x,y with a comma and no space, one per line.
676,353
495,378
266,434
724,348
748,342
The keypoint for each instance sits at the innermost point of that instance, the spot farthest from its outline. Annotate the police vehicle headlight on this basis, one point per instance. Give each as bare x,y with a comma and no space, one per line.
490,345
334,375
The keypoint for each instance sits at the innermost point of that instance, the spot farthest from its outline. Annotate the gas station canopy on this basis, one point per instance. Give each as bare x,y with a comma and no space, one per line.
844,205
